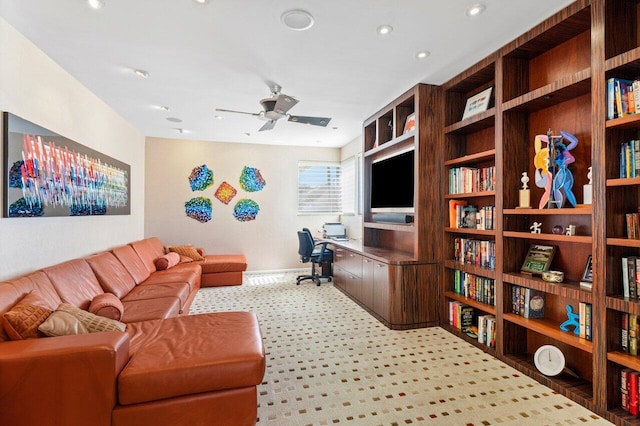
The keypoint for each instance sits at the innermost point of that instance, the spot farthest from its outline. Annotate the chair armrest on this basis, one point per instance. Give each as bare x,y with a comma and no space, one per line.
69,380
323,250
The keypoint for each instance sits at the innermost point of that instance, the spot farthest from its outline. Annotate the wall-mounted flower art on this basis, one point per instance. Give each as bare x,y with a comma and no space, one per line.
225,192
199,208
251,180
201,178
246,210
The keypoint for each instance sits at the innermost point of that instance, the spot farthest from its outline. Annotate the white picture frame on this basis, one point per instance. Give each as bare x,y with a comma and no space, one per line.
477,103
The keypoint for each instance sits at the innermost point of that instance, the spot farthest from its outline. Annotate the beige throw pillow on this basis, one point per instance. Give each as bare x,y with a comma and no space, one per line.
67,319
186,250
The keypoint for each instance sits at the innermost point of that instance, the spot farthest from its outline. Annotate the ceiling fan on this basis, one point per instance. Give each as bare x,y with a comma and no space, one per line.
276,107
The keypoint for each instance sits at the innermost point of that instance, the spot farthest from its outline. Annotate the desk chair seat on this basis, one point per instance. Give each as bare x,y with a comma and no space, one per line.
316,253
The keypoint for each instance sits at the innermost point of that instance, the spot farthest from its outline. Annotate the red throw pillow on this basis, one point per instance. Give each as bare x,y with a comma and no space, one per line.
23,320
107,305
167,261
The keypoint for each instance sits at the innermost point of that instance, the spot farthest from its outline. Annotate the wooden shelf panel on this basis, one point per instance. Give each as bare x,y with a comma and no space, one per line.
627,63
629,361
472,158
550,329
471,195
571,290
552,94
477,122
390,226
451,329
471,302
391,143
470,231
470,269
587,210
623,304
623,182
623,242
628,122
583,239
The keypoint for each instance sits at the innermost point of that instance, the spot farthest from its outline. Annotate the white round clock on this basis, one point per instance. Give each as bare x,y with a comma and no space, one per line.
549,360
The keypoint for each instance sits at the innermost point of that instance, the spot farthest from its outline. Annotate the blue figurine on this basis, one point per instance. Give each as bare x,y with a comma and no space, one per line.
573,319
563,178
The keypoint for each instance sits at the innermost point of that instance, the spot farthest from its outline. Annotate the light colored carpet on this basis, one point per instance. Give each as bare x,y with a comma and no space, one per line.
330,362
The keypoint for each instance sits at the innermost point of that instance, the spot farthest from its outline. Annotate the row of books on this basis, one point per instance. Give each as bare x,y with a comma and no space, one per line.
630,159
527,302
630,276
480,327
475,287
463,180
633,226
475,252
623,97
584,310
462,215
629,333
629,390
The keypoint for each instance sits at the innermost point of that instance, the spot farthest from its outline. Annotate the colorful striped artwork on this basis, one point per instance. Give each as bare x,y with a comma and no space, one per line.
50,175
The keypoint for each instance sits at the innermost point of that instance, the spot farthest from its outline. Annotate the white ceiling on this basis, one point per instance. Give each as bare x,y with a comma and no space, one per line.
225,54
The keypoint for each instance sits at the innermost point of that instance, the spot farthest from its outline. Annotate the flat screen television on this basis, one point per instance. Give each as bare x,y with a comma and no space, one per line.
392,184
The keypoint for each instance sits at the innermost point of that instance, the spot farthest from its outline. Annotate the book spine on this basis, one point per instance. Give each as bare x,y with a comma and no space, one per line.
624,388
587,322
636,94
633,340
624,332
632,389
610,99
625,278
582,317
631,264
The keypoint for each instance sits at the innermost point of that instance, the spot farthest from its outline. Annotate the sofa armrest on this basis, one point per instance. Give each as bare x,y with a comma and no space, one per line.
67,380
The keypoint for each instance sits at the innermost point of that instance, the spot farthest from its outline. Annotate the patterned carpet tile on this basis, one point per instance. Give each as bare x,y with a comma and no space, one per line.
330,362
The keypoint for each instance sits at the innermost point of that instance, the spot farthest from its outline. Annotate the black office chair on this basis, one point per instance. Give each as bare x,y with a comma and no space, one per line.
313,252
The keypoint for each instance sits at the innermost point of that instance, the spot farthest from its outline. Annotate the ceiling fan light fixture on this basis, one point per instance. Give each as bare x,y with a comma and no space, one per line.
297,20
164,108
141,73
475,9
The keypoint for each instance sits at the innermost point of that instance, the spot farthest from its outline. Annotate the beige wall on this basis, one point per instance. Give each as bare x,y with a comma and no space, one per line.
269,242
35,88
353,223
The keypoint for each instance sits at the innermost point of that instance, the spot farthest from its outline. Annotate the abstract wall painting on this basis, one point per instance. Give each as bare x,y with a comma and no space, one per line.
48,175
199,209
251,180
225,193
201,178
246,210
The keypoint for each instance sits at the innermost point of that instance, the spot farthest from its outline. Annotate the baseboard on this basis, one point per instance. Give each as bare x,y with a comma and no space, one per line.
280,271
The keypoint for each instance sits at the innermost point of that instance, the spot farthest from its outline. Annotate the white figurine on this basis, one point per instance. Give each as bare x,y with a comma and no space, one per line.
525,195
587,190
535,228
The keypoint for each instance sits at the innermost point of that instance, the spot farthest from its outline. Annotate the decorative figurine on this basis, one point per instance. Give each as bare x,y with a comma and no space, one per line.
525,193
558,229
573,319
571,230
552,172
535,228
587,190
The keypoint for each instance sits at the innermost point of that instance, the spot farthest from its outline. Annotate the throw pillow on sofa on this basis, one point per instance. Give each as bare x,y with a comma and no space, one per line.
107,305
22,321
186,250
167,261
67,319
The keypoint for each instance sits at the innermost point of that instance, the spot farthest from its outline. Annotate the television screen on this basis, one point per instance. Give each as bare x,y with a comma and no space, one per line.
392,184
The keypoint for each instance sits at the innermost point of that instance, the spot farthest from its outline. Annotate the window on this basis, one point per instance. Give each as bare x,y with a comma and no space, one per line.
319,189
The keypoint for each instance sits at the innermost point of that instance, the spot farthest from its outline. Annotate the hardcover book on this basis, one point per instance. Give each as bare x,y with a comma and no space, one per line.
533,303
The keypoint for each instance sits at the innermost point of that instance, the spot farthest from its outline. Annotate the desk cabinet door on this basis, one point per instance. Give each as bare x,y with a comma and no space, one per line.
381,305
366,288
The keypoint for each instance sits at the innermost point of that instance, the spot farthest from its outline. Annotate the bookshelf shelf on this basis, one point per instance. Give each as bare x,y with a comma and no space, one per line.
629,361
550,212
623,242
471,302
487,155
473,124
628,122
390,226
471,269
567,289
549,237
623,304
623,182
471,195
470,231
464,336
550,329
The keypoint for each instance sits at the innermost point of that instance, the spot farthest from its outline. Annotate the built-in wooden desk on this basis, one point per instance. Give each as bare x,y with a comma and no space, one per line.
392,286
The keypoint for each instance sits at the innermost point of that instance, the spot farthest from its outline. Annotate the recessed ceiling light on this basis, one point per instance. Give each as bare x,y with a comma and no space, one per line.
201,1
174,120
423,54
475,9
96,4
164,108
334,128
219,117
141,73
384,30
297,20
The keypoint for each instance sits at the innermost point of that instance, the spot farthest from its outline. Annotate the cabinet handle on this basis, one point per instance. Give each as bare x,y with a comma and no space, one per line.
366,261
380,265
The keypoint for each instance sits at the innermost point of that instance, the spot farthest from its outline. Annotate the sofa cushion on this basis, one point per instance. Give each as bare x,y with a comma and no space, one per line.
75,282
23,320
111,273
107,305
214,263
132,263
68,319
148,250
159,290
38,281
187,250
167,261
186,358
150,309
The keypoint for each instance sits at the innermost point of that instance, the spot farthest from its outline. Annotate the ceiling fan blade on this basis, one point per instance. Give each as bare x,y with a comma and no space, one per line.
237,112
284,103
314,121
268,125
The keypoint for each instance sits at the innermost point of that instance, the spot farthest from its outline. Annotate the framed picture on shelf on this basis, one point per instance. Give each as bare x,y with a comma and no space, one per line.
587,277
538,259
477,103
410,124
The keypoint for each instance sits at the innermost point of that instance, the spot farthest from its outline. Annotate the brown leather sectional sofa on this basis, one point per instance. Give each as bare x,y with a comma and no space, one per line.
166,368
